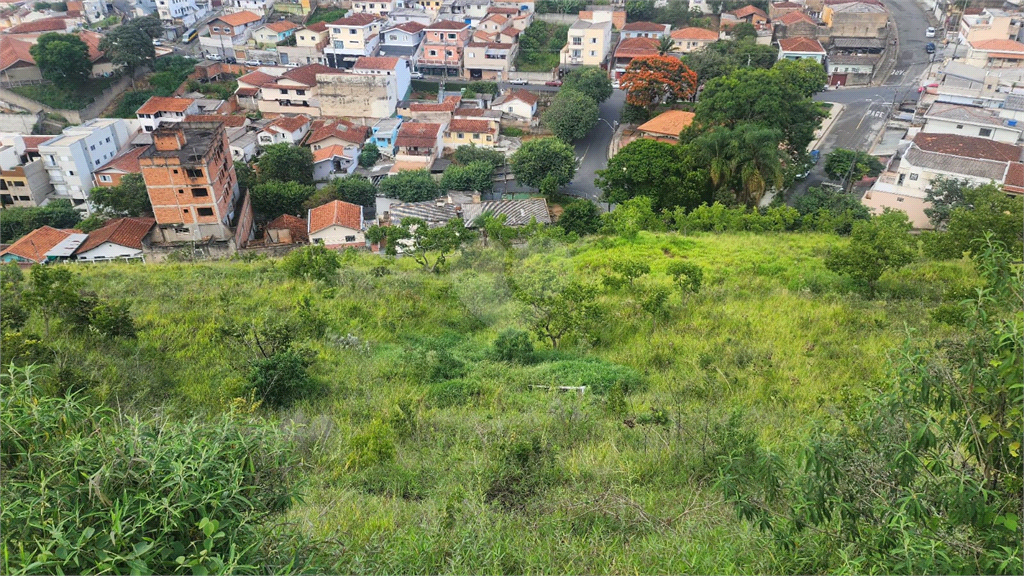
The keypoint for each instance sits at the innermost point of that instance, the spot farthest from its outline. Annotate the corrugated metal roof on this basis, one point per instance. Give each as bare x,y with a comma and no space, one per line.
66,247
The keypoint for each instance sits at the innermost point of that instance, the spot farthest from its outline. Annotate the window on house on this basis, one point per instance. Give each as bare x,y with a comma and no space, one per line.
451,36
96,162
593,40
433,52
476,136
71,172
461,135
593,53
351,30
350,238
92,147
985,132
108,139
913,176
194,172
175,170
300,92
204,211
105,178
200,192
959,126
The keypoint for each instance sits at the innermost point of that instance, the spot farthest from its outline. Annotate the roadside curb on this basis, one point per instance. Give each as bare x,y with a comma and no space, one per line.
826,129
889,66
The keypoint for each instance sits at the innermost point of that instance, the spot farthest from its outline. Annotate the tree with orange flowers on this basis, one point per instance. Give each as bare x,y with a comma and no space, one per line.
651,80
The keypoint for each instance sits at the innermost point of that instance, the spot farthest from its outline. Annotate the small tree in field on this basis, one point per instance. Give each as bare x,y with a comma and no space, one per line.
688,277
556,305
314,262
880,244
54,292
429,247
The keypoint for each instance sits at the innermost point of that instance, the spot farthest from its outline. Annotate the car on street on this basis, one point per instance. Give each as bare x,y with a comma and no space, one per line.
929,33
157,42
252,62
291,65
215,57
930,47
416,75
518,81
553,83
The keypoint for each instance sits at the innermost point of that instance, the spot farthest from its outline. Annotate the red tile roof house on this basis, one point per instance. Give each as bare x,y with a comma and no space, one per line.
801,48
32,247
630,48
121,239
126,162
337,224
159,110
419,142
519,103
645,30
284,130
287,229
331,132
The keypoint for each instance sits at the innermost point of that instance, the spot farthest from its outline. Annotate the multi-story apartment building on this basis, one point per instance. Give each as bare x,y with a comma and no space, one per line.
71,158
401,39
309,45
179,12
588,43
645,30
261,7
191,182
160,110
489,60
23,179
376,7
294,92
352,37
442,48
991,24
399,68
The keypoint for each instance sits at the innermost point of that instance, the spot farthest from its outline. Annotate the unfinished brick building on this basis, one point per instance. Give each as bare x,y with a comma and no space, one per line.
192,185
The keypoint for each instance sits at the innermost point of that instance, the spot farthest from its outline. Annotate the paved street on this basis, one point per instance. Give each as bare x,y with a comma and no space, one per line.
592,151
866,109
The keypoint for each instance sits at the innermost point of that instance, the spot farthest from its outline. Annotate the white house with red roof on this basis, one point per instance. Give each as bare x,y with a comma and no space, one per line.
126,162
691,39
337,224
335,132
292,92
800,49
391,66
419,143
401,39
121,239
519,104
161,110
997,53
334,161
284,130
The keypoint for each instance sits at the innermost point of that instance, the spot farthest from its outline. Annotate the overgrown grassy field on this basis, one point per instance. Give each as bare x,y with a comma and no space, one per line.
406,448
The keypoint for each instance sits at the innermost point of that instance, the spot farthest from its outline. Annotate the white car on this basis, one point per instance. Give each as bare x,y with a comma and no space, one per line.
929,33
518,81
252,62
157,42
291,65
416,75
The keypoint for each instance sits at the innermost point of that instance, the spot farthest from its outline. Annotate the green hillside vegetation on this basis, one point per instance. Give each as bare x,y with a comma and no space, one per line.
383,419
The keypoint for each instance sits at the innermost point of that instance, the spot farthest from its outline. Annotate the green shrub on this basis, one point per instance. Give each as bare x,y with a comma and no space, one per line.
442,365
513,345
520,468
511,131
113,319
281,379
314,262
597,375
127,495
687,276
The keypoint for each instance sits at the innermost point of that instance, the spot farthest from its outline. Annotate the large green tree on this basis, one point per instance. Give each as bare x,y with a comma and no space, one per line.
477,176
286,163
544,158
708,64
429,247
589,80
128,198
876,245
351,189
410,186
62,59
646,167
16,222
985,210
851,165
469,153
580,216
571,115
760,97
272,198
745,160
131,44
804,74
943,196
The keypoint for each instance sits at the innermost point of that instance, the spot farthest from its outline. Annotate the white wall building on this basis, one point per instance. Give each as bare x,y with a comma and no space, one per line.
71,157
183,12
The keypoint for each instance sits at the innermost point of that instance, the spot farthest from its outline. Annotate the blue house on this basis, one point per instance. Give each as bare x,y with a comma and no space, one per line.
385,134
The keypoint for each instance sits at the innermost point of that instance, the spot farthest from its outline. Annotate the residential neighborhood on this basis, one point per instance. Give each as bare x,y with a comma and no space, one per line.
512,287
402,86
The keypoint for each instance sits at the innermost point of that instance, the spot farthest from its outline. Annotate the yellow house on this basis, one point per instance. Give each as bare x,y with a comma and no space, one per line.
588,43
460,132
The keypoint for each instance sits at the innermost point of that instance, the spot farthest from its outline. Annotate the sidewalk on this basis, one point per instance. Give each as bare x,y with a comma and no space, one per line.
826,126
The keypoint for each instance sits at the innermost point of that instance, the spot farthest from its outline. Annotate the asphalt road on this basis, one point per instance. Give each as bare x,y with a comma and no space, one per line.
866,109
592,150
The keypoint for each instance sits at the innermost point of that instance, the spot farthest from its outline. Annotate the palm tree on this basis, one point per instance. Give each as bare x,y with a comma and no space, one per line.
755,156
665,45
714,150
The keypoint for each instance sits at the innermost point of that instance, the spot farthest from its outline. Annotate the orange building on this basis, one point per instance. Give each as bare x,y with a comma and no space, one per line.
191,182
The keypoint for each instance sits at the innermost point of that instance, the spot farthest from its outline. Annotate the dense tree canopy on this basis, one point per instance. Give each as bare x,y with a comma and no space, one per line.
286,163
410,186
272,198
16,222
646,167
351,189
838,165
477,176
571,115
62,58
745,160
984,210
876,245
128,198
581,217
544,158
467,154
131,44
762,97
589,80
804,74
